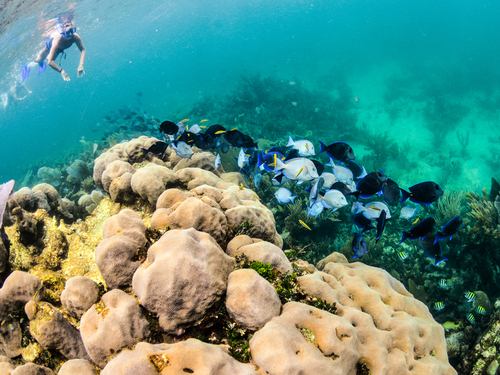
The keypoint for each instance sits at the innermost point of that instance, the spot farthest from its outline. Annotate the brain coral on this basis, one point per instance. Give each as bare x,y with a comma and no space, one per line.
378,324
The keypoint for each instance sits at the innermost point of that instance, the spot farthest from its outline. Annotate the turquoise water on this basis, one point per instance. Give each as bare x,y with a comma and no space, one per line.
177,52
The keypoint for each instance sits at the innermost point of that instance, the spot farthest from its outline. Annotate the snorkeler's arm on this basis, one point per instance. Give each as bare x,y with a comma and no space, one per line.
81,47
51,58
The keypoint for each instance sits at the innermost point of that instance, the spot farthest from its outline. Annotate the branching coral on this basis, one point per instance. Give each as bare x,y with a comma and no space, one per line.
485,214
451,204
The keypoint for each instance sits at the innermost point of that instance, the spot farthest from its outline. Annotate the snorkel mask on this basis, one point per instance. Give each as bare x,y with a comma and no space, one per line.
66,30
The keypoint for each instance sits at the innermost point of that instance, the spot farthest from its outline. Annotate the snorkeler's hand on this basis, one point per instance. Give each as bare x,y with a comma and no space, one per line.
65,75
80,71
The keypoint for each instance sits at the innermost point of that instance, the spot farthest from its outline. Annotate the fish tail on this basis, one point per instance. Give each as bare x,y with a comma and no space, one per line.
290,141
404,195
439,236
260,160
279,165
292,198
323,147
404,237
356,194
439,259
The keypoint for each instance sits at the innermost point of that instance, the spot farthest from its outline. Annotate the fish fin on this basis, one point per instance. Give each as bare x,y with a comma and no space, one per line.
323,147
290,141
439,237
428,204
404,237
404,195
438,259
299,182
279,165
366,229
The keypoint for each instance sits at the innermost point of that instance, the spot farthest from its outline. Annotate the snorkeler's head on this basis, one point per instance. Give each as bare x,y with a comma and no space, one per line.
66,30
65,25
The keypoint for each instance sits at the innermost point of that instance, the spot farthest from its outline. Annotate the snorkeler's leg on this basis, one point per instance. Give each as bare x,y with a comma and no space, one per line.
42,55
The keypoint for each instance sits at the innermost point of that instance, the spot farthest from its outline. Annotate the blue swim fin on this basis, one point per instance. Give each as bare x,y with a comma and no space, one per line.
41,67
25,72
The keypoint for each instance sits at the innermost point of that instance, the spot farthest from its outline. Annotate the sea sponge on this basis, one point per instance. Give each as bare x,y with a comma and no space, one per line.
115,323
51,329
79,294
123,235
193,177
53,199
26,199
152,180
251,300
190,356
120,189
184,274
259,251
202,160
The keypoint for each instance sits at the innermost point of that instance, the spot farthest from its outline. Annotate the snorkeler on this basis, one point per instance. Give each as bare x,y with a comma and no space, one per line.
14,94
59,41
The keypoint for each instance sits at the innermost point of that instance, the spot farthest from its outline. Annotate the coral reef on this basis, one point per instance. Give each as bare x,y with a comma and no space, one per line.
204,259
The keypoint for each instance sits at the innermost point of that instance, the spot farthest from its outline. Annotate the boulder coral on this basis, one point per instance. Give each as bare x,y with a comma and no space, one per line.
187,357
115,323
123,236
184,274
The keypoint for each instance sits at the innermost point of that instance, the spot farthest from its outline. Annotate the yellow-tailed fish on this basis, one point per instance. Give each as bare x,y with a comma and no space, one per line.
256,196
185,120
416,221
204,120
304,225
451,325
220,132
300,171
203,126
234,128
241,186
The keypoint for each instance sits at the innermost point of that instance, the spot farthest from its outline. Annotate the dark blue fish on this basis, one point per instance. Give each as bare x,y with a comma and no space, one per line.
358,245
370,185
432,249
267,160
224,147
157,148
339,150
357,171
360,220
423,193
391,192
450,228
215,131
420,230
276,149
188,138
343,188
380,225
238,139
169,128
292,154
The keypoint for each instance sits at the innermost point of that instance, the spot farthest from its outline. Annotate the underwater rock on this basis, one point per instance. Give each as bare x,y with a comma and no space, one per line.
77,366
152,180
184,274
251,300
495,190
115,323
53,199
32,369
259,251
90,201
4,258
123,236
170,197
190,356
393,331
49,327
6,366
79,294
26,199
192,178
